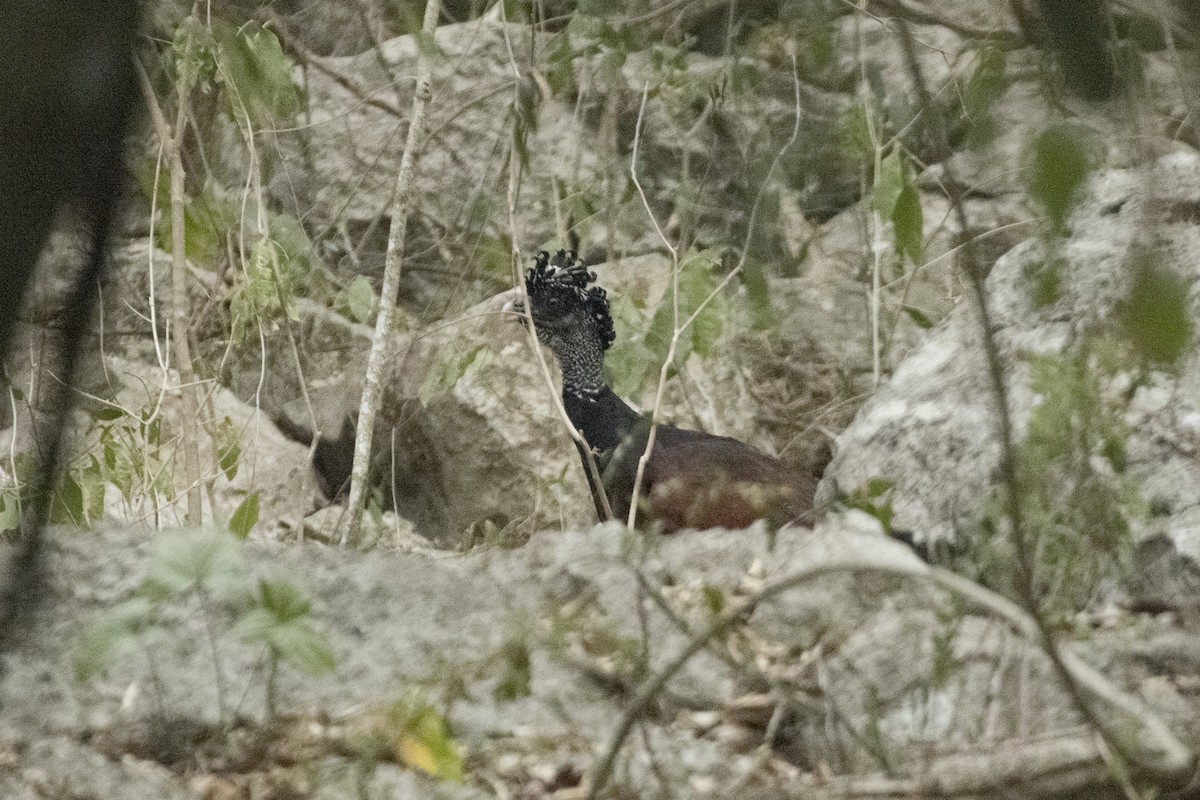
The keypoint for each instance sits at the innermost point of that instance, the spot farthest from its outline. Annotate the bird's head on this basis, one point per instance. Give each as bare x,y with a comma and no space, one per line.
570,317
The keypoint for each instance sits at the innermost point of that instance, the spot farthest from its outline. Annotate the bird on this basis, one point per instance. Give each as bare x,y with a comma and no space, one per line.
693,479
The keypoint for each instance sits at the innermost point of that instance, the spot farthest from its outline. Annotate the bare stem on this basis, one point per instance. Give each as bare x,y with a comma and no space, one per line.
679,329
171,140
401,207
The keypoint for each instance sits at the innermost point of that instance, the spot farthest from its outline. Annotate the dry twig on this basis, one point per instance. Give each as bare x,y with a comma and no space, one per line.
401,207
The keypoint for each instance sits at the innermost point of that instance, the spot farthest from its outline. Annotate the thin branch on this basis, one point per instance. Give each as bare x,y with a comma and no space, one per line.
307,58
171,140
679,330
514,187
999,37
1159,752
1072,678
401,206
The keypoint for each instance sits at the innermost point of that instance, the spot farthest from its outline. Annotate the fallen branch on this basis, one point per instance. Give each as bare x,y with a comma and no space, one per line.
1148,744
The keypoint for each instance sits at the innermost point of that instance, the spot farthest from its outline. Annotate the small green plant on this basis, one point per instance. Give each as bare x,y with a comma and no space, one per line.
875,498
897,200
202,573
1156,312
1061,163
414,733
358,301
1076,499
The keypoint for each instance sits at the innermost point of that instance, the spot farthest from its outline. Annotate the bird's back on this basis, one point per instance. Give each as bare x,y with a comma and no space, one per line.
700,480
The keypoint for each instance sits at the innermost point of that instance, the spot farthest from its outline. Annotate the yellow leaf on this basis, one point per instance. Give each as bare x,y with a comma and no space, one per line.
412,752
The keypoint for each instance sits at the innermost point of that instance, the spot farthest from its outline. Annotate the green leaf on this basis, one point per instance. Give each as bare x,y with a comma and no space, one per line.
1045,281
714,598
422,740
628,360
877,487
889,183
1157,314
516,679
195,560
908,222
428,45
697,283
67,507
295,248
257,73
193,48
254,624
108,414
300,645
1060,165
985,86
110,635
244,516
754,278
662,328
10,513
919,317
358,301
283,599
229,448
91,485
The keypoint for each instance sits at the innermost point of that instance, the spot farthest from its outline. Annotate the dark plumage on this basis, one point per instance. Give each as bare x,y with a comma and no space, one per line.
693,479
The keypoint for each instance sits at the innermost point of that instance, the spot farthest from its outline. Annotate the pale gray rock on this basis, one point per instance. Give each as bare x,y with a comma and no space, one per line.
885,670
932,428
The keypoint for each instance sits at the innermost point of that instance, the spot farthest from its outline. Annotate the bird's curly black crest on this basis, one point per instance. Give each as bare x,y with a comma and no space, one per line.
564,274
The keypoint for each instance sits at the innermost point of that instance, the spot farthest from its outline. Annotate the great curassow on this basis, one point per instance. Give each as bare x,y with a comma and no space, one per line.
693,479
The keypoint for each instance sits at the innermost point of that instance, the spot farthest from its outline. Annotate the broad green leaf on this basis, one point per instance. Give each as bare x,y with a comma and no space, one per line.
193,48
67,507
244,516
254,624
91,485
877,487
300,645
986,85
195,560
283,599
1045,281
908,222
108,414
295,247
662,329
358,300
428,46
889,183
759,292
696,284
1060,165
229,448
628,360
257,74
1157,314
